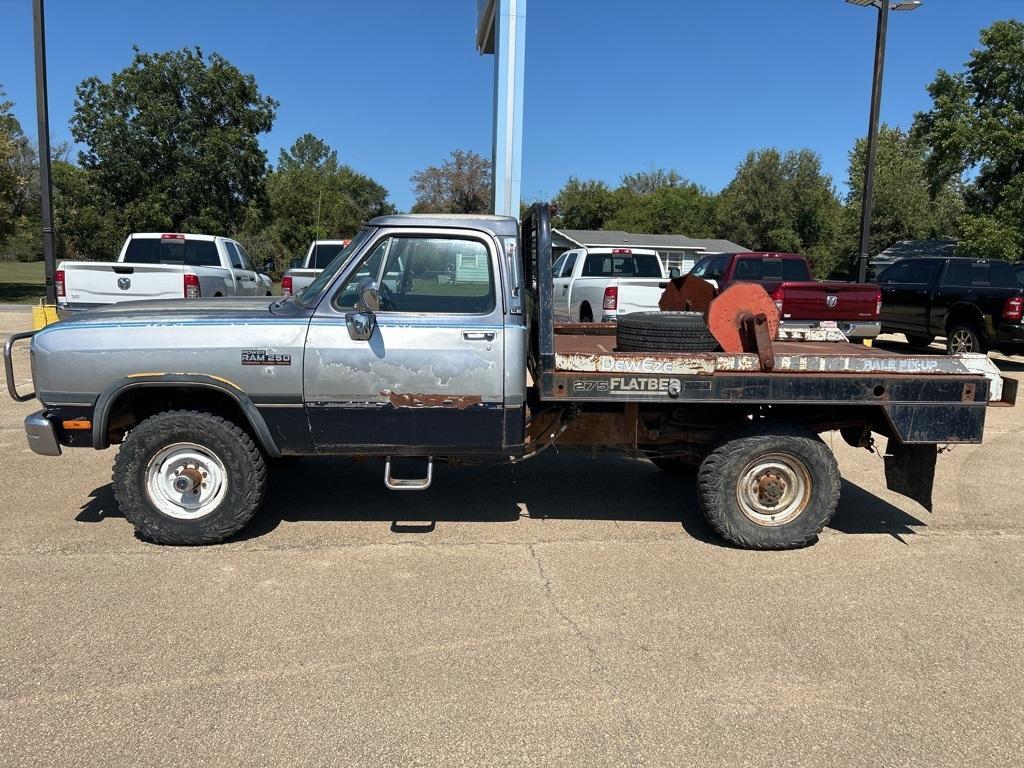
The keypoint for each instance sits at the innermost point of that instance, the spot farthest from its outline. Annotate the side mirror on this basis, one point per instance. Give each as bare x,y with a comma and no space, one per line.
673,273
268,266
362,322
369,296
295,264
360,325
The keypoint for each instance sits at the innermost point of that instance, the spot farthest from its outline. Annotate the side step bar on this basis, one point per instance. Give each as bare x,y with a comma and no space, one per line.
403,484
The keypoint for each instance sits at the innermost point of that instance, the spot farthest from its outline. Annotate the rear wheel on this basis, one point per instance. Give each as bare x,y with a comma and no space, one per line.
188,477
769,487
965,338
586,314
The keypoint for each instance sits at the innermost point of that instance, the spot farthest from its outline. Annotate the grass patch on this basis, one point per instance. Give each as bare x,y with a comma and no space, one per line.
22,282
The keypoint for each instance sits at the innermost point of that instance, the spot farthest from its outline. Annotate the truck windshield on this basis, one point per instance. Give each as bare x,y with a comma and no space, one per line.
310,295
324,254
153,250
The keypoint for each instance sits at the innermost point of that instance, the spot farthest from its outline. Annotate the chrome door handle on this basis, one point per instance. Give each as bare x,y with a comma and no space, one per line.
478,335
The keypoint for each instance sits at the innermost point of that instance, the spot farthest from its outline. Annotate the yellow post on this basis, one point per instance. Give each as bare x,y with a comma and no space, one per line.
43,315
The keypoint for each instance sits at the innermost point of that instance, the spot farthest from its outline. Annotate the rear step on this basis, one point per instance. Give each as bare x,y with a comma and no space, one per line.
403,484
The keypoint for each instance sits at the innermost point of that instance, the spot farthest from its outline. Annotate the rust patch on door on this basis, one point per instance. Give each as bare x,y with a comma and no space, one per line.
432,401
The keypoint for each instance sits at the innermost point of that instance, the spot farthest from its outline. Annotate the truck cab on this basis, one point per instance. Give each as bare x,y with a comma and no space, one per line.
443,323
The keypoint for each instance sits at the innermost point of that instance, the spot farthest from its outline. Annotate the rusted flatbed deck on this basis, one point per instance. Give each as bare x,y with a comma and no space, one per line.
595,352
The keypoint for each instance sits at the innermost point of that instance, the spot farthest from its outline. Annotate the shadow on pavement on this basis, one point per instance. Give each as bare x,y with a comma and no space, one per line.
560,487
101,505
860,511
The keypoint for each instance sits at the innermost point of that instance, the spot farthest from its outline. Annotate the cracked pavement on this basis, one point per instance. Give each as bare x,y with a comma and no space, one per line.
567,612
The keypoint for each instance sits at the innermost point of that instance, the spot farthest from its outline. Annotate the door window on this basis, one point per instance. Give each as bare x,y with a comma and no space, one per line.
236,259
570,262
348,294
921,272
716,268
246,261
897,273
437,275
556,270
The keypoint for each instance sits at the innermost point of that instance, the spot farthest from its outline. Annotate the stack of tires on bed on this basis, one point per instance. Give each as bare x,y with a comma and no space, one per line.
664,332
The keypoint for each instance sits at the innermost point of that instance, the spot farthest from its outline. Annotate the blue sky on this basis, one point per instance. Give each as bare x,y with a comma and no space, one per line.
611,87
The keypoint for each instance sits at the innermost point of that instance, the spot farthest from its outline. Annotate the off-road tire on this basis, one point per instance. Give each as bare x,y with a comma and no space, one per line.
664,332
919,341
720,472
243,463
975,334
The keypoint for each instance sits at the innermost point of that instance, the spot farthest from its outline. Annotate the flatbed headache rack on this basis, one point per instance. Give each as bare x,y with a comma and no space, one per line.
926,399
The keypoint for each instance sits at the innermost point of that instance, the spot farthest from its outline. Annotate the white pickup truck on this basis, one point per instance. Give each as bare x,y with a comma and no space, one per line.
599,284
161,266
304,271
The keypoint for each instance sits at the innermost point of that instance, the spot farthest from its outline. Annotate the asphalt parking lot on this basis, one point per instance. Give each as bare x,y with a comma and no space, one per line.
571,612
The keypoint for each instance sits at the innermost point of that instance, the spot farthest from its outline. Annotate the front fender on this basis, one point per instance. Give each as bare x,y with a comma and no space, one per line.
107,400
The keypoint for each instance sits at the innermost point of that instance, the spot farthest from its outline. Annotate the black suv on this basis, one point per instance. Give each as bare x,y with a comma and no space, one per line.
976,304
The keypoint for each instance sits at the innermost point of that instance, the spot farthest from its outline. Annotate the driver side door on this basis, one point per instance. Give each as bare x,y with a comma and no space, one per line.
429,379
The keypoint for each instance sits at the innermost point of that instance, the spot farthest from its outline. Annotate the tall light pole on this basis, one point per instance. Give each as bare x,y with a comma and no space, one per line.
43,115
883,7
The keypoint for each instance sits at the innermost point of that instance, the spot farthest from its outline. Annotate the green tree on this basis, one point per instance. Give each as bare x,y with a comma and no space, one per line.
312,195
782,202
651,180
9,181
905,206
975,131
86,226
584,204
19,174
682,208
172,143
461,184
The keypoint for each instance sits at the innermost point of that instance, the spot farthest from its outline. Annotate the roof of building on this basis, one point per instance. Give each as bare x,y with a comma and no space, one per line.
613,237
908,249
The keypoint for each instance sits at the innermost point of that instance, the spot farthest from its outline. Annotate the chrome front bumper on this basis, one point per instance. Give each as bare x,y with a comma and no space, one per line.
42,437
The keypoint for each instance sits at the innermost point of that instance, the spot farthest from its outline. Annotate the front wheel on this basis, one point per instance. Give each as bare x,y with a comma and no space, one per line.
769,487
188,477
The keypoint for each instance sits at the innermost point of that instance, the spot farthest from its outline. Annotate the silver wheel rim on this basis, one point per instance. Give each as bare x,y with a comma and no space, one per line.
773,489
186,481
961,342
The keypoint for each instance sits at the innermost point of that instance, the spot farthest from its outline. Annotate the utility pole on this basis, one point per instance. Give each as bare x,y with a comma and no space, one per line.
45,185
883,7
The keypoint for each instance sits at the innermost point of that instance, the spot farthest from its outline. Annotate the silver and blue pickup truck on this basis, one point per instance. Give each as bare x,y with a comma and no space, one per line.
433,336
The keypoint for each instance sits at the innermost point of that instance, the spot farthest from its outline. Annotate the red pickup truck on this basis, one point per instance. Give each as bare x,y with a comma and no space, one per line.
853,308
